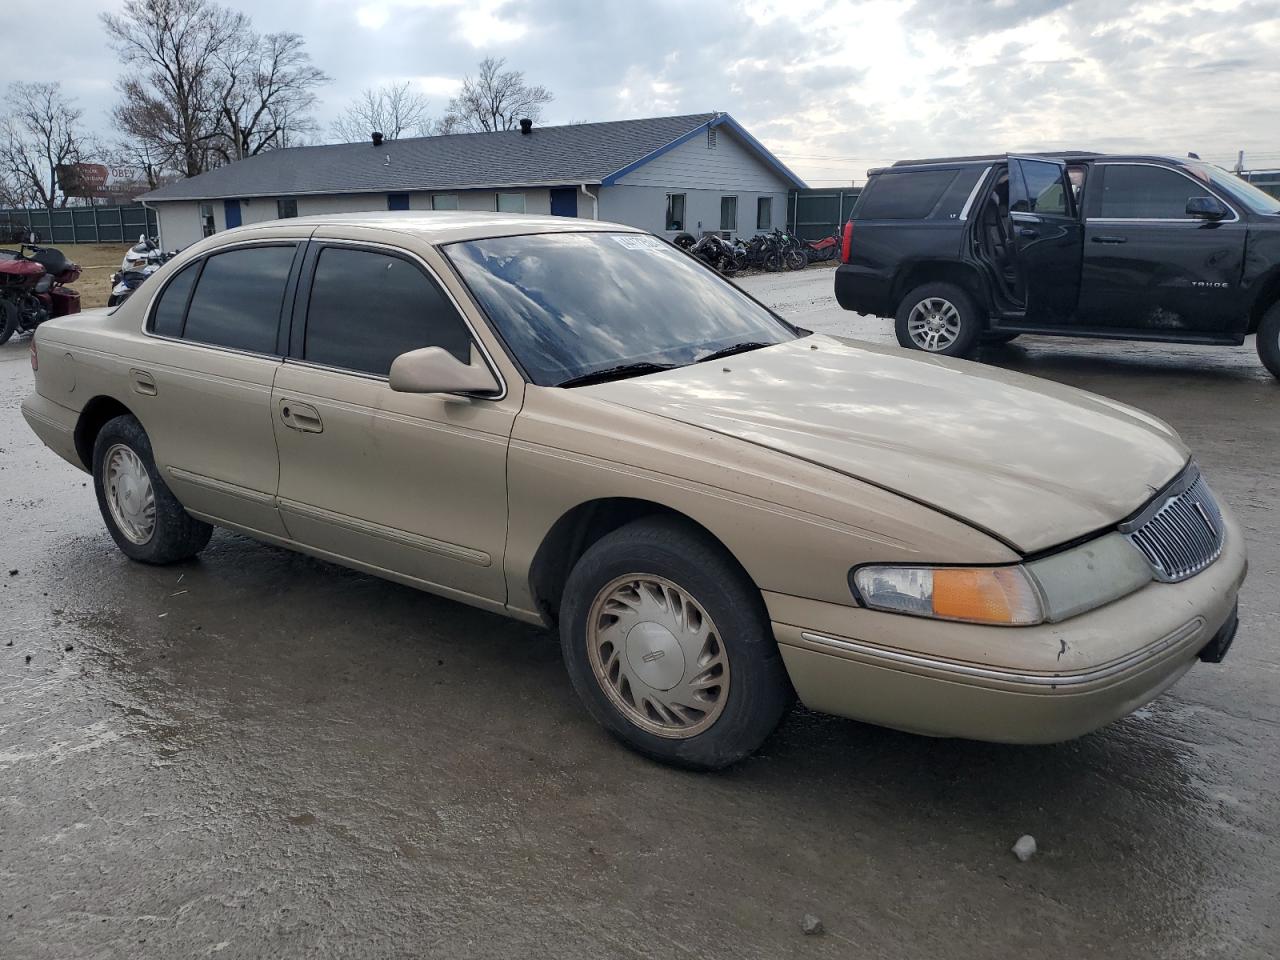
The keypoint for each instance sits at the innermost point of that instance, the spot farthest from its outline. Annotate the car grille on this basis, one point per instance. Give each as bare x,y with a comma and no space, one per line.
1183,536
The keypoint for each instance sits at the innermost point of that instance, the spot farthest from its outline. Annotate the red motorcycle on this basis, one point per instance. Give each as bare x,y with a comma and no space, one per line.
828,248
34,288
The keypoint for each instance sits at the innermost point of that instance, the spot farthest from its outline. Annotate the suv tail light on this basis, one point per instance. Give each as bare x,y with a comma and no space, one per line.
846,242
35,360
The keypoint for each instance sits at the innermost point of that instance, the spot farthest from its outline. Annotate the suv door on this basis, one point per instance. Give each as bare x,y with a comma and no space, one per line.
412,484
202,380
1047,238
1150,267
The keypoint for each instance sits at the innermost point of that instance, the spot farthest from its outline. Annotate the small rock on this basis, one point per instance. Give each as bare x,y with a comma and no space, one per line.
13,572
1025,848
68,648
811,925
28,658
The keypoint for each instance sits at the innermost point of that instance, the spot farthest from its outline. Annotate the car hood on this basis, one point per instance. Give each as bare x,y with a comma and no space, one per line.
1030,461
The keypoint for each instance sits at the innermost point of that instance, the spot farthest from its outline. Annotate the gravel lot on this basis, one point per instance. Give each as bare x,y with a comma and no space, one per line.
258,754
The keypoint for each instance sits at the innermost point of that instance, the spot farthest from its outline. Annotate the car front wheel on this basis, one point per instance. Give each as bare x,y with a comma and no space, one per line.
667,642
143,517
939,318
1269,340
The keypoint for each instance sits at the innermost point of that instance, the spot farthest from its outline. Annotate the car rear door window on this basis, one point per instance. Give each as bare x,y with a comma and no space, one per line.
1133,192
166,320
237,300
367,308
1046,194
904,196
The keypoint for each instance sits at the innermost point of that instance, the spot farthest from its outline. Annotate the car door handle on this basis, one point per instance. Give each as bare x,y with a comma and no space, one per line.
1110,239
1028,233
143,383
300,416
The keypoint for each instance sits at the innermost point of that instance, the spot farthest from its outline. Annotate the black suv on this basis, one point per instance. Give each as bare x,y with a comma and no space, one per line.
974,249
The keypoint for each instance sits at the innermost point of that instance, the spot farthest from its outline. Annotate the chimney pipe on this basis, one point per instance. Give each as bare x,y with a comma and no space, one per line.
526,126
377,138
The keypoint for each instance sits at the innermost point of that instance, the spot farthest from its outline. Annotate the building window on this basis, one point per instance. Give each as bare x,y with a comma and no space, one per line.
675,211
444,201
764,213
207,226
511,203
286,207
728,213
397,201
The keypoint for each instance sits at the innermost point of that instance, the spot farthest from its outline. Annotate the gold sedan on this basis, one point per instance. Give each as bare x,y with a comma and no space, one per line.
575,424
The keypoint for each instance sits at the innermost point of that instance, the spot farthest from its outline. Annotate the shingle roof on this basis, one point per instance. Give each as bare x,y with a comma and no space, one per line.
577,153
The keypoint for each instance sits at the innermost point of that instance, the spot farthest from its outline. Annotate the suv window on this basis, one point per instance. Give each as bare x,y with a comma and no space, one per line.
367,308
1045,194
237,300
904,196
166,319
1133,192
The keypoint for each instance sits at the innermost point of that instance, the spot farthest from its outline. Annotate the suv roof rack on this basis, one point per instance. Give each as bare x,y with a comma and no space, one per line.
1056,154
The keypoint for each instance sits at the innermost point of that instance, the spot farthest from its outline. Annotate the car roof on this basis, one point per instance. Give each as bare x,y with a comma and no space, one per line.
1068,156
436,226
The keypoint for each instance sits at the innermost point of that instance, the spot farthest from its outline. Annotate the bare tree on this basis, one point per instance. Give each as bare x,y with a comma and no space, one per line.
392,110
268,87
204,88
495,100
40,134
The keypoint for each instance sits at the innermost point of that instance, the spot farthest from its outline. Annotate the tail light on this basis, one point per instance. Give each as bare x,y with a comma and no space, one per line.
846,242
35,360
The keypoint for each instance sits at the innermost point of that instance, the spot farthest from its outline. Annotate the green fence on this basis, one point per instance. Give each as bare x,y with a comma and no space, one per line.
814,214
79,224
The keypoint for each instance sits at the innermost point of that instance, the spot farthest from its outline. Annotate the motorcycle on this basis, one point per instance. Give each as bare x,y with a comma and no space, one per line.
820,251
34,288
140,261
717,253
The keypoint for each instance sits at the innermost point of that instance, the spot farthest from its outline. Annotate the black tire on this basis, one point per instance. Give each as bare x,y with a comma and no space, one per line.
9,318
971,322
1269,340
112,300
795,259
998,338
176,535
759,691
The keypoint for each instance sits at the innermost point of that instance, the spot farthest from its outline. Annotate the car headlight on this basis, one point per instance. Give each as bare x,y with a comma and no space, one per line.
1002,595
1049,589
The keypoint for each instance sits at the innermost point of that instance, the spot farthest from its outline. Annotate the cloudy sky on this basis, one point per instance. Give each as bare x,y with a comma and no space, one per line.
832,88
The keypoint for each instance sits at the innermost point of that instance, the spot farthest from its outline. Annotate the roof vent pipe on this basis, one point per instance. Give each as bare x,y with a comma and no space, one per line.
526,126
377,138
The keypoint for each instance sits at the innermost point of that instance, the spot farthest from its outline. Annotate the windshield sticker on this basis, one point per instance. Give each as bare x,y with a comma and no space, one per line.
639,241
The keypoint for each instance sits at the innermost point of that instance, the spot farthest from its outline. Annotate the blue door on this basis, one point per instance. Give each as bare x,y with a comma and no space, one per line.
397,201
564,202
232,208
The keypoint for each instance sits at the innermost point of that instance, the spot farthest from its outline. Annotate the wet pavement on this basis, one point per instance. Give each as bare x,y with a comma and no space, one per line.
258,754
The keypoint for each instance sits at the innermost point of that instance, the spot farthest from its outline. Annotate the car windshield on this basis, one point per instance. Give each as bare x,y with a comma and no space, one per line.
1258,201
574,305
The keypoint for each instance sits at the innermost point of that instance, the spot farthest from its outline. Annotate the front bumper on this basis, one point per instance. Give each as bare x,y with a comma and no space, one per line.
1008,684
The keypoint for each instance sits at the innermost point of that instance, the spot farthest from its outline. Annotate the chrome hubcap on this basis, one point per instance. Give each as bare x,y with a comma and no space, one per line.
129,494
657,656
933,324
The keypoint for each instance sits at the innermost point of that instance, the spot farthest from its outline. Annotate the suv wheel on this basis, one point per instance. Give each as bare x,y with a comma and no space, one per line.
668,644
143,517
1269,340
938,318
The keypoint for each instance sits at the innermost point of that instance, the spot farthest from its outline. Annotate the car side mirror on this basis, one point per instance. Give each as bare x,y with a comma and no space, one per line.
1206,208
436,370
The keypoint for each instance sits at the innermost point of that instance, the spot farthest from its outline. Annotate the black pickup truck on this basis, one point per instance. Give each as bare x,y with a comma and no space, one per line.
971,249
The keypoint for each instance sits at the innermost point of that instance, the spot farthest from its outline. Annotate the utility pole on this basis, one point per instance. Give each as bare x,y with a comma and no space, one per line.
1240,163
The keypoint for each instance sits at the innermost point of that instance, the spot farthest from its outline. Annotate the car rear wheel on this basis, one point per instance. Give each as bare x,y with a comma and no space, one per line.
1269,340
9,317
938,318
667,642
143,517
